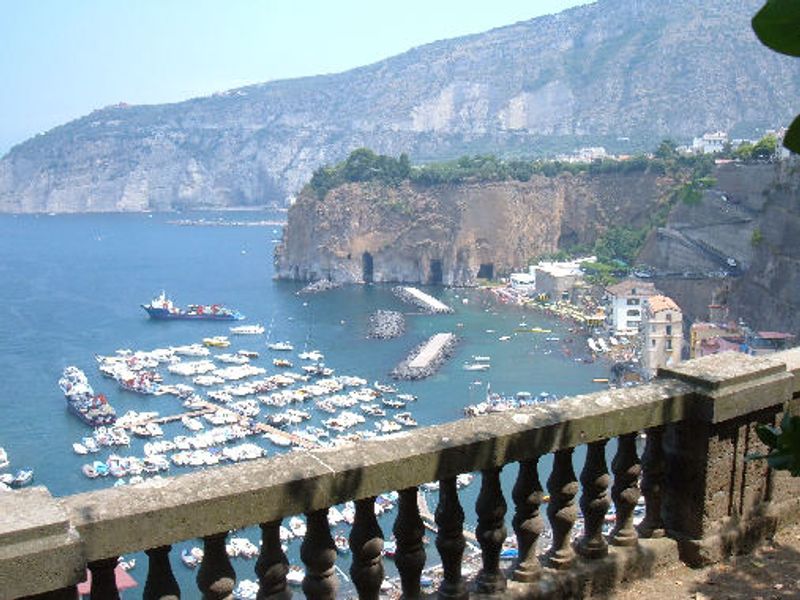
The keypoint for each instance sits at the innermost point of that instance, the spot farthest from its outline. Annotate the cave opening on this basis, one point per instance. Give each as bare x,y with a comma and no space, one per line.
435,276
367,267
486,271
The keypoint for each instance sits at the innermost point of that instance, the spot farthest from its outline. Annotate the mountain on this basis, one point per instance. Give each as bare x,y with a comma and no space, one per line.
623,73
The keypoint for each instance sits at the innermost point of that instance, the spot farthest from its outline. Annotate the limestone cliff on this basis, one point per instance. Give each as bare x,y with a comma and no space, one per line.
449,233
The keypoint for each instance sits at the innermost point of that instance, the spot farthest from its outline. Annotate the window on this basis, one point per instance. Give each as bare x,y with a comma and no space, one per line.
633,302
632,324
669,344
669,329
633,312
653,343
669,316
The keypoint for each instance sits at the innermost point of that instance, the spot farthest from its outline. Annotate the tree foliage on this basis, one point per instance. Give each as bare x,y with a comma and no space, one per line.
777,25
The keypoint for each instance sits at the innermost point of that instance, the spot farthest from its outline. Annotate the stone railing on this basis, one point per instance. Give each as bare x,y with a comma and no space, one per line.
702,499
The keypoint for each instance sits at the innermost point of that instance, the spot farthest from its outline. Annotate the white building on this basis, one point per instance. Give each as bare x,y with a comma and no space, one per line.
626,301
662,325
556,279
710,143
523,282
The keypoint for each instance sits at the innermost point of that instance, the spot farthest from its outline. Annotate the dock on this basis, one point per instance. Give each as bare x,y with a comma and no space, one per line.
425,359
421,299
429,520
295,439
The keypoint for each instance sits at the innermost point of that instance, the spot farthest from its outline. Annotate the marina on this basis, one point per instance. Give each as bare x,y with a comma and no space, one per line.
325,332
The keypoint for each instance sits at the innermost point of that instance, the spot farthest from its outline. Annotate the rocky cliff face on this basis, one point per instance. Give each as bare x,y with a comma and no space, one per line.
633,69
748,203
451,233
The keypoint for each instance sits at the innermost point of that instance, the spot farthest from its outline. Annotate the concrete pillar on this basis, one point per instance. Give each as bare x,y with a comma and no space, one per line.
716,503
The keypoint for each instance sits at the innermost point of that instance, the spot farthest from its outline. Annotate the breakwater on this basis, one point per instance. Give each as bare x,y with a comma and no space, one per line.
420,299
322,285
386,324
425,359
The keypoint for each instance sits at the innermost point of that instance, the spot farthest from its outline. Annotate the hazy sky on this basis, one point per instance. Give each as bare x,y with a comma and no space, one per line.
63,58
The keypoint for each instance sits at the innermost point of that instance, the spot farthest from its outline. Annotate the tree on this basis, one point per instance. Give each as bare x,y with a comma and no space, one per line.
776,25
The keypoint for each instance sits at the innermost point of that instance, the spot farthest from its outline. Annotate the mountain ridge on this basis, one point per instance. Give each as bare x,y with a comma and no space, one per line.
634,69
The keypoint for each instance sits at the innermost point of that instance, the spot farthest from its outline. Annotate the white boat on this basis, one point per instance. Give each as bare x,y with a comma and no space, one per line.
281,346
593,345
601,343
479,359
476,366
3,458
247,330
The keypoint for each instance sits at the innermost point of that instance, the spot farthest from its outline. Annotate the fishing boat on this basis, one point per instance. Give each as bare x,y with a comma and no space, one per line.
162,308
93,409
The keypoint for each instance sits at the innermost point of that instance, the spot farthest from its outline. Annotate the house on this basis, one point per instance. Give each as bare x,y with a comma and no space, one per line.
662,326
710,143
556,279
625,304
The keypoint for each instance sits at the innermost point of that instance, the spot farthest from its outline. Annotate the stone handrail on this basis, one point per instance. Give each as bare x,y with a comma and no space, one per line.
46,543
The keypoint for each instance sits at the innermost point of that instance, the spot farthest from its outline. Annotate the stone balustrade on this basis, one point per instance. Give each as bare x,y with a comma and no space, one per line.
702,498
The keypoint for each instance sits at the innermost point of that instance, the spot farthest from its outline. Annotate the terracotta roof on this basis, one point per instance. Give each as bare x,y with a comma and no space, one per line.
659,303
632,287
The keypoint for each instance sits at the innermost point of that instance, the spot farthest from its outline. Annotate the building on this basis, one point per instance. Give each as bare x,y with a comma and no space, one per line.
524,283
710,338
662,326
625,304
710,143
556,279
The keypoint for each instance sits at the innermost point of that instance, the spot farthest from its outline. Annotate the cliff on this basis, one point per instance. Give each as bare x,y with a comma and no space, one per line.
621,73
751,216
451,233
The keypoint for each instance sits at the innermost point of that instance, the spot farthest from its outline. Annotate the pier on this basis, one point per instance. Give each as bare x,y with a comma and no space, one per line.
426,359
421,299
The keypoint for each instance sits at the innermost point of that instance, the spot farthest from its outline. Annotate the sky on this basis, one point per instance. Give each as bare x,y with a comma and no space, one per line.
61,59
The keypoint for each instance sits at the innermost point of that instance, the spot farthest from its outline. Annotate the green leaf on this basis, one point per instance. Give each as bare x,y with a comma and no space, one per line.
768,435
792,138
777,26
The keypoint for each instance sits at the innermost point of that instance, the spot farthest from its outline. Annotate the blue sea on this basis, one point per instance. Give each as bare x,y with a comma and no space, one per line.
71,287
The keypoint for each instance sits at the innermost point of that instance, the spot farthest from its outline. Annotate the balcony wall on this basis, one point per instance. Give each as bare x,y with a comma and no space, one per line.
702,499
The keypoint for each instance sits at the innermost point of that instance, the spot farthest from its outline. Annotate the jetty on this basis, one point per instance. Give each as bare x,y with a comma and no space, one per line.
426,358
419,298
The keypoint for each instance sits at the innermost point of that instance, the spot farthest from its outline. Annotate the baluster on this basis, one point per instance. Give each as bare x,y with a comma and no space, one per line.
491,531
366,544
318,553
450,540
528,524
216,577
410,554
104,582
652,526
272,564
561,510
625,491
161,583
594,501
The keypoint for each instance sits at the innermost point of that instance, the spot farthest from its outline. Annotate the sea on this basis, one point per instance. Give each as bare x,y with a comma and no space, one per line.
71,287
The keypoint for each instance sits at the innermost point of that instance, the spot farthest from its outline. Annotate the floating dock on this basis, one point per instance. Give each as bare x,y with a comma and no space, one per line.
421,299
426,358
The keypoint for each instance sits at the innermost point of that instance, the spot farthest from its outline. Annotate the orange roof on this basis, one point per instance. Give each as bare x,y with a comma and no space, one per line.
659,303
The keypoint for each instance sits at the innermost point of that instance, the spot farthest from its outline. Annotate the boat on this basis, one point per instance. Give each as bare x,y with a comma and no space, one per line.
22,478
281,362
281,346
191,557
162,308
217,341
93,409
476,366
3,458
247,329
295,575
479,359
